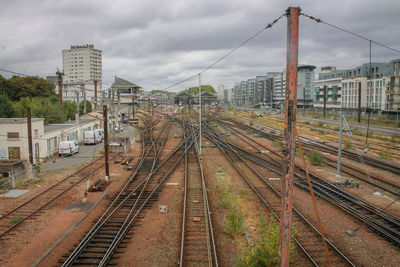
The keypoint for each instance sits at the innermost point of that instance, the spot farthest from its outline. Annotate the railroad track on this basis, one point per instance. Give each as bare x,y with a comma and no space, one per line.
356,173
307,238
386,225
32,208
100,246
373,180
312,144
197,240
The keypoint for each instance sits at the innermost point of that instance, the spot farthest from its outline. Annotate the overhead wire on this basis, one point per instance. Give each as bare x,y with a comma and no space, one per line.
318,20
227,54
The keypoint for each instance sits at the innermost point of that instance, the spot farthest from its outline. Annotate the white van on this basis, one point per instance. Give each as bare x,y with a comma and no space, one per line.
68,148
91,137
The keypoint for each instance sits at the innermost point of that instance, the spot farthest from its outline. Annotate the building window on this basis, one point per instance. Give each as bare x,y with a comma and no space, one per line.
12,136
36,133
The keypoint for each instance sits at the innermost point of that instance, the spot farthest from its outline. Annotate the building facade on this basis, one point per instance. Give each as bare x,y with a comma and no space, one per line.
82,66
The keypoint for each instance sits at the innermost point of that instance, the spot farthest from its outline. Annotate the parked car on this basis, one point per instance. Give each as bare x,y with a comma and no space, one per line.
67,148
91,137
119,128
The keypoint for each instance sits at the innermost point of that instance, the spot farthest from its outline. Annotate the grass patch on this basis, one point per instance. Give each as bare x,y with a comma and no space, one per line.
349,145
229,200
384,154
273,132
278,143
265,249
244,193
315,158
221,169
16,218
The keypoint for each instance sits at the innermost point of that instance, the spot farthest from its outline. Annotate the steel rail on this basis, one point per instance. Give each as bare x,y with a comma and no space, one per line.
52,199
106,215
225,144
342,199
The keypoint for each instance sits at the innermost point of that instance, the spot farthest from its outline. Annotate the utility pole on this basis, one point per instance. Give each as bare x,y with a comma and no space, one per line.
292,14
304,101
84,99
119,106
77,106
105,118
359,103
324,102
95,94
133,106
113,107
60,86
29,121
200,114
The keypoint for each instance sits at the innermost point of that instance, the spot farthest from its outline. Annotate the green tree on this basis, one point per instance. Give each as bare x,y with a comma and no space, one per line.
7,109
88,107
17,87
69,109
204,88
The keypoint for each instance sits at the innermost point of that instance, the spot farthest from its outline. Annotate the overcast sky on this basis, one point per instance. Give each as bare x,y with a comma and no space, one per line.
157,43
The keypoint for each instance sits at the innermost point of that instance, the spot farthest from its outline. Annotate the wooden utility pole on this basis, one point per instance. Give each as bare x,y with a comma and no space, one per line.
95,94
324,101
60,86
292,14
133,106
29,121
105,118
359,103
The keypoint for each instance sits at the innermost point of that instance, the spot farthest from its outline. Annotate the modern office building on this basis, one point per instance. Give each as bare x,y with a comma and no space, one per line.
82,66
305,90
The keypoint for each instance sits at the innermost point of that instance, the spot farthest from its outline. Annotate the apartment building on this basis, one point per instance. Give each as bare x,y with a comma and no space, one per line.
82,65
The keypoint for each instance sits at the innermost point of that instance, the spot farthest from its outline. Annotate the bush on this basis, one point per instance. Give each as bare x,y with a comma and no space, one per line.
16,218
234,222
227,198
265,249
315,158
273,132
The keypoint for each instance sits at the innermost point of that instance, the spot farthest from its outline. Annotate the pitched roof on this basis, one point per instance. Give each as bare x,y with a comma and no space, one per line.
121,83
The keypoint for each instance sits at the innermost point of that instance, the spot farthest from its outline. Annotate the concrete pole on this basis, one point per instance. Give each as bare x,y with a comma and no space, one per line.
324,102
30,143
340,147
105,118
199,114
359,103
292,14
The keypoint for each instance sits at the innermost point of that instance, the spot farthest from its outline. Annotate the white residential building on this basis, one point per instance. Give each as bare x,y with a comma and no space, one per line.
82,65
45,138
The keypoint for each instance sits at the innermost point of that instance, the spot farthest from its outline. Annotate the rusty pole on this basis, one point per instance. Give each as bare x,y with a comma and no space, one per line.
105,118
292,14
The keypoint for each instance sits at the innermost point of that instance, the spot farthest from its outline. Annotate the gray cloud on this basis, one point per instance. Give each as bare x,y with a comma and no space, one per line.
157,43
